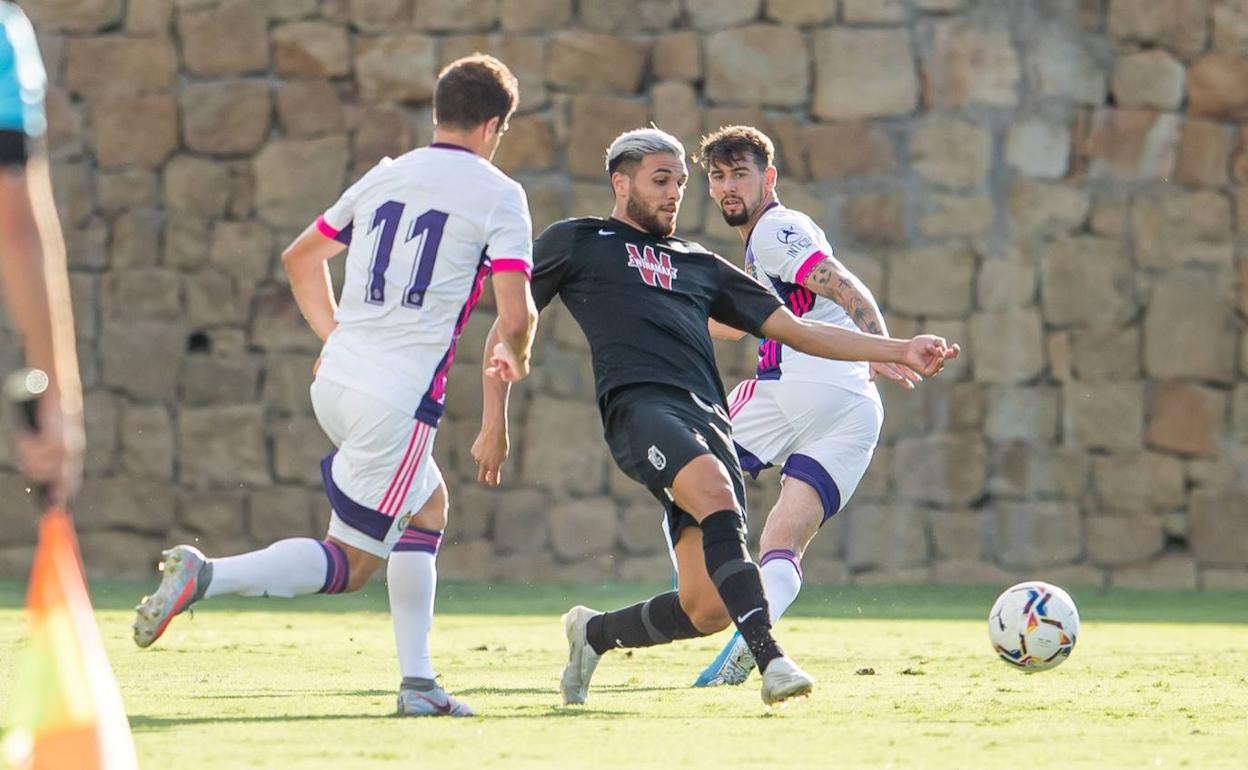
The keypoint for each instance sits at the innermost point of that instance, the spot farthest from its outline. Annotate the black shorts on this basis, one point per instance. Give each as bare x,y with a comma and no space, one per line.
13,150
655,430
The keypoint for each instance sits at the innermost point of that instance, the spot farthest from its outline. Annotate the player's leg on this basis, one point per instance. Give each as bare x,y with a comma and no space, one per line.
412,581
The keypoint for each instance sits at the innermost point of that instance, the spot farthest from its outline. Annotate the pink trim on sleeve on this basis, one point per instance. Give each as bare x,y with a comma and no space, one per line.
325,228
807,266
505,265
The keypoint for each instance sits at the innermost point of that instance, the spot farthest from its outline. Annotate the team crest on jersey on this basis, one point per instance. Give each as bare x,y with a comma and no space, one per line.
655,269
657,458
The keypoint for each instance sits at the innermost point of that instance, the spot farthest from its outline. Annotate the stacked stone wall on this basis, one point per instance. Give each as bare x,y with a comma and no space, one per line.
1062,186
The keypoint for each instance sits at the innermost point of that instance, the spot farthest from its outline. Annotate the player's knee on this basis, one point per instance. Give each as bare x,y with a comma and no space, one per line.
708,617
360,568
433,514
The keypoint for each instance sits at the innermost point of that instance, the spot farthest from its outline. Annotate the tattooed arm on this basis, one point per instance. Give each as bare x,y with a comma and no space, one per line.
833,280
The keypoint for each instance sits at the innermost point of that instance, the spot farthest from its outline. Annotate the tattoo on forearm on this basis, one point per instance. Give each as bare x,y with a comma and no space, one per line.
832,281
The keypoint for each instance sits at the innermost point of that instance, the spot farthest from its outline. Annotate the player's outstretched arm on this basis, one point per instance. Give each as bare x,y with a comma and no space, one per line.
925,354
517,322
831,279
306,261
723,331
36,293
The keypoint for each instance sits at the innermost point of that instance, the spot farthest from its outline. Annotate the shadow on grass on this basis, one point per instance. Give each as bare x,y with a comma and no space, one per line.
840,602
141,723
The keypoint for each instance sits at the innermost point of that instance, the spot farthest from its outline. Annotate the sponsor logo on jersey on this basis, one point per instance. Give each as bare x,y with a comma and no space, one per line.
655,269
657,458
797,241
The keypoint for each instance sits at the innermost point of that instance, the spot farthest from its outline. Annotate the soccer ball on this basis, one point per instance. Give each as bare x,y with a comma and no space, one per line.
1033,626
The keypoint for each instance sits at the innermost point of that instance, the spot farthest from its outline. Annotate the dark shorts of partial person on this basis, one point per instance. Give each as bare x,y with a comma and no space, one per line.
656,430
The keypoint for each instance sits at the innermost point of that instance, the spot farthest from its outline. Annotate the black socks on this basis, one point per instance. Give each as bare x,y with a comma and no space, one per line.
739,582
658,620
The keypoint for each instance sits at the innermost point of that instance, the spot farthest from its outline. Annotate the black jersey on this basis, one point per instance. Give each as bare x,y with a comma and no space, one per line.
643,301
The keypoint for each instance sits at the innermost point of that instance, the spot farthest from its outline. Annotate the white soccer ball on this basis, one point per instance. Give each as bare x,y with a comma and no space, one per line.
1033,626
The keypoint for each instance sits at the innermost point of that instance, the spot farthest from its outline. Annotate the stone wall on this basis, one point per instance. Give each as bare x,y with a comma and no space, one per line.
1059,185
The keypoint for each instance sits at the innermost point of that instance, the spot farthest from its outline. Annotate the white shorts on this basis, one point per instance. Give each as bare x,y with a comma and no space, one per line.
382,471
821,434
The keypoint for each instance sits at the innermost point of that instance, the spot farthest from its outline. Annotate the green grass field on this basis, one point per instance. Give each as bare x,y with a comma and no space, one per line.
1157,680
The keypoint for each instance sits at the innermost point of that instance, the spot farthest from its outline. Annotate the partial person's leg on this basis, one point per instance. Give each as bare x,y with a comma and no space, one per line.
791,524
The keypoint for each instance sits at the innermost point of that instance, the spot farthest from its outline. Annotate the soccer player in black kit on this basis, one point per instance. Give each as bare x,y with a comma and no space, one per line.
643,299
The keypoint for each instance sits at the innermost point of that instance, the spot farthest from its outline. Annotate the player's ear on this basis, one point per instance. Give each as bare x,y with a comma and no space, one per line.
769,179
491,126
619,184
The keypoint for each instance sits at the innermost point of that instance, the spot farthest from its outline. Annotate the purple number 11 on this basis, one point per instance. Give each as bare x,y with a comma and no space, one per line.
428,226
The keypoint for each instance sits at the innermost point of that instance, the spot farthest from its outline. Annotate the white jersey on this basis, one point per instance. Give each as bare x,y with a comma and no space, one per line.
423,231
782,249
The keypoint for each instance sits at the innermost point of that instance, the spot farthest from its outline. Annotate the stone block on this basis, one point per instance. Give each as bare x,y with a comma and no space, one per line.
119,191
1005,283
73,15
876,217
1180,25
119,554
886,536
142,358
1086,281
969,64
19,516
595,122
380,15
962,572
715,14
100,415
1224,579
844,150
677,55
1204,153
1113,541
582,528
140,130
143,505
1230,25
931,280
1187,305
958,534
225,117
196,186
1106,353
758,65
1132,145
139,295
1217,87
946,470
311,49
1039,208
1022,414
214,297
1068,65
802,13
1107,415
1151,79
227,39
220,514
296,179
534,15
309,108
1182,227
1187,419
299,444
528,146
520,522
945,216
147,446
1032,535
586,61
1170,571
223,446
109,65
863,73
395,68
1008,345
1039,148
287,379
1218,527
280,512
951,152
1139,482
242,249
563,467
1030,471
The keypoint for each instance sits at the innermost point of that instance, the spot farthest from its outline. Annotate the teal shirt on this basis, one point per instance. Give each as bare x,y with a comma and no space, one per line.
22,77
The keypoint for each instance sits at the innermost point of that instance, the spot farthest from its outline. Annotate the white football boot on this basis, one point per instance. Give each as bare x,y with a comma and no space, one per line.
582,660
428,699
783,680
186,574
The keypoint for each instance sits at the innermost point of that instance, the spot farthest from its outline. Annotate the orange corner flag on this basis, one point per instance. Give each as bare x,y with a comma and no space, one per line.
66,710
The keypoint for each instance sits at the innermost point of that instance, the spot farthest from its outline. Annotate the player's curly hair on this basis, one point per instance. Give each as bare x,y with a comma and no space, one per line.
474,89
733,144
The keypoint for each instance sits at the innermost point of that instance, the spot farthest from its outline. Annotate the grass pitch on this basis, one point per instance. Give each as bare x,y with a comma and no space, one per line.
1157,680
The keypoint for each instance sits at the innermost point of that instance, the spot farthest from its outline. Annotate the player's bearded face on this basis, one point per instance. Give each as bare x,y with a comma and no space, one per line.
655,192
737,190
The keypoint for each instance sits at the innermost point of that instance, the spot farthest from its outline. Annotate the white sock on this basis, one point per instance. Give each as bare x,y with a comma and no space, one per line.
287,568
782,580
412,580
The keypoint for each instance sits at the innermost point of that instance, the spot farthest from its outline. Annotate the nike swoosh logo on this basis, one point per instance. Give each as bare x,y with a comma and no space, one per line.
606,232
747,615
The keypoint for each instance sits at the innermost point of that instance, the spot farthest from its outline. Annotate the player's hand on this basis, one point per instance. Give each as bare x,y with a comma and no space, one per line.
927,354
53,455
899,373
490,451
506,366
